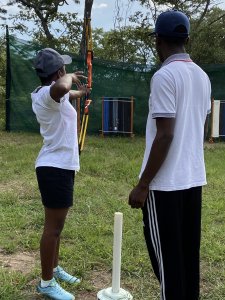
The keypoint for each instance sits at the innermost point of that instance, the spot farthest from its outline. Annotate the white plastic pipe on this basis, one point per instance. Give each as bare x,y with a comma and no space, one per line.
115,292
117,245
216,119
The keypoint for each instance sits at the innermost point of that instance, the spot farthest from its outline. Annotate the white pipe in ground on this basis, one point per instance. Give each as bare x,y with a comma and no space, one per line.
117,245
115,292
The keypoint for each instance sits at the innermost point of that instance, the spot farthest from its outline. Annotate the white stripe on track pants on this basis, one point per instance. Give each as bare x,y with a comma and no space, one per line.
172,230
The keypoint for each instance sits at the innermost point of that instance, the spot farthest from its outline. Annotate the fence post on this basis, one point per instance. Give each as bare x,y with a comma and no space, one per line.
8,82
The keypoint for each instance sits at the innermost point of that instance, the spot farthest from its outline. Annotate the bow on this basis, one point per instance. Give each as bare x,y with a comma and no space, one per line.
89,59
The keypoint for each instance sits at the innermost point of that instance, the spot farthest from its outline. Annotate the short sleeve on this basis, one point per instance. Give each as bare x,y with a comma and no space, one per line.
163,102
46,100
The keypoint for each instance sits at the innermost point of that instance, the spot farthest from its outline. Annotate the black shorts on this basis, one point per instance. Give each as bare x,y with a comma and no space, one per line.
56,186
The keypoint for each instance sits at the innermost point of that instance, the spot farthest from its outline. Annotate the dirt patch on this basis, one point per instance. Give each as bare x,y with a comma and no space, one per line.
86,296
25,263
20,262
98,279
214,145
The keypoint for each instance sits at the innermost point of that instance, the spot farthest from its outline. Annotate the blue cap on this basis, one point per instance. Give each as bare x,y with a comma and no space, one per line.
172,23
48,61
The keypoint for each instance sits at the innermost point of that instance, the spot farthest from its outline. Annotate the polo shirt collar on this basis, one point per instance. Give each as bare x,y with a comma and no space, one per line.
175,57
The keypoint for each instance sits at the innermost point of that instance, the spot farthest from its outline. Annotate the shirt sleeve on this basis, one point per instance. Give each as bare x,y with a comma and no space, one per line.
163,102
47,101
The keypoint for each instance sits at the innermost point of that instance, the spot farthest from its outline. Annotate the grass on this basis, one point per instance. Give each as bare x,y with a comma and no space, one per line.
109,169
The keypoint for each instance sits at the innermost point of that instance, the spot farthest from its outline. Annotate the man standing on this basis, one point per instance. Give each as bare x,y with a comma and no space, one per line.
169,190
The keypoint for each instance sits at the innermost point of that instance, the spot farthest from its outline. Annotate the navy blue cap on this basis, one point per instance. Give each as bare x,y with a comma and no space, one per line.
172,23
48,61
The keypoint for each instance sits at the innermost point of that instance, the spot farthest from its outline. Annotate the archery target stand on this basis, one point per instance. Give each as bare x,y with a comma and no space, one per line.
217,120
116,292
117,116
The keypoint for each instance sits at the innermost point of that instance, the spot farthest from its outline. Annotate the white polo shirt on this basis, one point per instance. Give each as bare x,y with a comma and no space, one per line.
58,127
179,89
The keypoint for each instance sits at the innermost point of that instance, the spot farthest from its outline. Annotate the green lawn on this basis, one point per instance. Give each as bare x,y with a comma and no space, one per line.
109,169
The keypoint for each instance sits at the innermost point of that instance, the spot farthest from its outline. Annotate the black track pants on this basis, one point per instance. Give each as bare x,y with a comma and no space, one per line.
172,229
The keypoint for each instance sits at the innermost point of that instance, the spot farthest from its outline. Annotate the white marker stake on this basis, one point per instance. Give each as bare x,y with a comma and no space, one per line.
117,245
115,292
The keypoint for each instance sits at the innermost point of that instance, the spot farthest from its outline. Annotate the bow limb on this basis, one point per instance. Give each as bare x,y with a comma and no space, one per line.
89,59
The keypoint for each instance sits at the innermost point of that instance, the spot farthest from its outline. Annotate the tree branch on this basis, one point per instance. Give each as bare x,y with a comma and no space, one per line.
204,12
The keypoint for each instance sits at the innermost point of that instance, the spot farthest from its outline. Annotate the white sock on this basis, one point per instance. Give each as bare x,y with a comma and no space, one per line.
55,269
45,283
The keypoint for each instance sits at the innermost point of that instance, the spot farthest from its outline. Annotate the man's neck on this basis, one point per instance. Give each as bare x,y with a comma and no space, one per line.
172,51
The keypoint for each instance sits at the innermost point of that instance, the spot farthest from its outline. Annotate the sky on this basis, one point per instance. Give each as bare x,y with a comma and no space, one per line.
103,11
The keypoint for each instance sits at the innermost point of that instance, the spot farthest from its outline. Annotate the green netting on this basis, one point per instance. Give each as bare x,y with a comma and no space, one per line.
110,79
216,73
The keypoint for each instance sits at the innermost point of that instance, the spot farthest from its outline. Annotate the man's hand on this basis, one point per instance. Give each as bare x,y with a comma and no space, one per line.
138,196
158,153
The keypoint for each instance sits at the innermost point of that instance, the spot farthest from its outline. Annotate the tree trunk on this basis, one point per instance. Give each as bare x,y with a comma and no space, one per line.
87,14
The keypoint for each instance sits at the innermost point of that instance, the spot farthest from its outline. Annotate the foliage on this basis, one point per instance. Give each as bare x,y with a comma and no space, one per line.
67,32
192,8
130,44
207,42
3,12
109,169
50,27
124,43
206,20
87,16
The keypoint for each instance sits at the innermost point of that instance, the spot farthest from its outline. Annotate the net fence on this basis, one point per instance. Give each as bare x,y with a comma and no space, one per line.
110,79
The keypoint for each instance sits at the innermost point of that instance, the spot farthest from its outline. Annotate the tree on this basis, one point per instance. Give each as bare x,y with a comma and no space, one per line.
122,11
130,45
3,12
44,14
207,45
205,17
66,31
124,43
87,15
192,8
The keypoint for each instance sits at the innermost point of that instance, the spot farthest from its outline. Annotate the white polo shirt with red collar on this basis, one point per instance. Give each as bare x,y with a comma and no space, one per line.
180,89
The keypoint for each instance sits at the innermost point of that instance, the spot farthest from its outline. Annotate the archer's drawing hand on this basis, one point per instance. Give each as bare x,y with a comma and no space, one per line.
84,89
138,196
